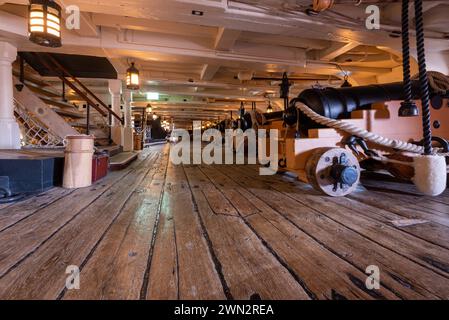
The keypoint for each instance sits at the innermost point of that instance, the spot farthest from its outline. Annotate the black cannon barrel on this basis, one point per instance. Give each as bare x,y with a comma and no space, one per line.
338,102
335,103
276,115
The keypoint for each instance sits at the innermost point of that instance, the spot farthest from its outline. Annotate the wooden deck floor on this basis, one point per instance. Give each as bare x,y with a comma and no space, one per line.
159,231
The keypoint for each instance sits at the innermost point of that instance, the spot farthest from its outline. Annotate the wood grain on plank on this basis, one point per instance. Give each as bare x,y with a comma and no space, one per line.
430,231
163,277
121,257
28,234
378,207
248,267
391,184
182,267
406,209
42,274
223,232
5,205
23,209
414,248
400,274
417,201
325,274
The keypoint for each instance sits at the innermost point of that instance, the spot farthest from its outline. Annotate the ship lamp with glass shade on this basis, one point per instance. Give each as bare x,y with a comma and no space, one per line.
132,77
44,23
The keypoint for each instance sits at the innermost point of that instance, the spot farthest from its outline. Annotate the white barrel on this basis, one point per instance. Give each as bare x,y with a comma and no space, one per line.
79,151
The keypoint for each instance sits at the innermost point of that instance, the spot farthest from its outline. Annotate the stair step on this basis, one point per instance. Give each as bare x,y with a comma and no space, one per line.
122,160
41,91
116,150
32,79
47,94
82,125
68,113
112,150
60,104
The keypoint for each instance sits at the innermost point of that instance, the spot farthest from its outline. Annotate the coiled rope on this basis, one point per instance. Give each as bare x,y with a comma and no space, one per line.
438,81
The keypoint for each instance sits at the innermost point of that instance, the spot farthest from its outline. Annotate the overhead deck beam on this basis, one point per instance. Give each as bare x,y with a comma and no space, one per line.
208,72
226,38
336,50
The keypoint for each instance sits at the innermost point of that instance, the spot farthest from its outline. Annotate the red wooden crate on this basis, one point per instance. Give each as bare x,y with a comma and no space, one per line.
100,164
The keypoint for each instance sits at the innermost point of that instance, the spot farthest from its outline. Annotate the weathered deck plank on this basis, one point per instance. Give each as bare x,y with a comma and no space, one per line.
430,231
415,248
43,275
17,211
248,267
306,257
400,274
184,270
406,209
160,231
121,257
389,184
374,206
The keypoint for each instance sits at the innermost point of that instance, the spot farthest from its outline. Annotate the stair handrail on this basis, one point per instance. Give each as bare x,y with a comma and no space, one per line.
72,86
83,95
64,70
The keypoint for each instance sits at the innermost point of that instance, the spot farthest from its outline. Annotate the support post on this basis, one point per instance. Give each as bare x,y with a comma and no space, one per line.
9,128
115,89
63,91
110,125
127,132
88,119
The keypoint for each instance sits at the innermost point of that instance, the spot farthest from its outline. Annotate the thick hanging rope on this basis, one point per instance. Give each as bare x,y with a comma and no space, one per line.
423,82
406,54
362,133
437,81
359,132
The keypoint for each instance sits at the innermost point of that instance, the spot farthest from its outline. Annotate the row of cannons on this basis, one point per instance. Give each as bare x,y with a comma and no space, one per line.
331,159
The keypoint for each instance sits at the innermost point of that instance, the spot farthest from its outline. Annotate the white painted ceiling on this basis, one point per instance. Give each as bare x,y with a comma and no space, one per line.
194,60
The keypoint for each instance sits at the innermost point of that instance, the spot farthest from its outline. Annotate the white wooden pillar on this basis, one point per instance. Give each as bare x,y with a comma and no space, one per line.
127,132
127,98
9,128
115,89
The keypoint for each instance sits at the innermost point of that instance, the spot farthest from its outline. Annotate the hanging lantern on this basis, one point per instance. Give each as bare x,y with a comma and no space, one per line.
44,23
149,108
132,78
346,83
321,5
269,108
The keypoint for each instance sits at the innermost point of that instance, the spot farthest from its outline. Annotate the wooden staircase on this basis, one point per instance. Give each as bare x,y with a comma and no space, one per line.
75,116
50,114
44,91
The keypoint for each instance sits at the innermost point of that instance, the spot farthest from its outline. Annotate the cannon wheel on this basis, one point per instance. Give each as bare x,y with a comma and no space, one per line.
333,171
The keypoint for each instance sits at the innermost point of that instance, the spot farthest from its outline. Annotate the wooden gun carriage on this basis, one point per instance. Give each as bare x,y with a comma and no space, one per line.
330,159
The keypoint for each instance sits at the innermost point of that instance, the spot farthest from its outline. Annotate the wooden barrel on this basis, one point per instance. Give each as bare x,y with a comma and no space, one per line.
78,161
